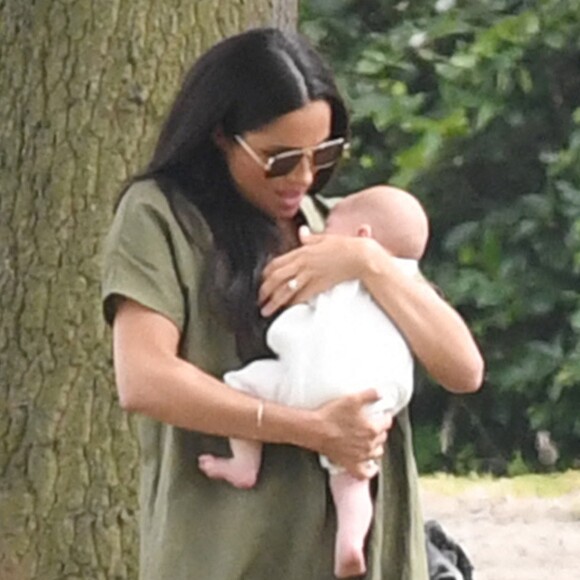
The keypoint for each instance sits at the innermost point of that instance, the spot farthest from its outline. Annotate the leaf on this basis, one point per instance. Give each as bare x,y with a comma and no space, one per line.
465,61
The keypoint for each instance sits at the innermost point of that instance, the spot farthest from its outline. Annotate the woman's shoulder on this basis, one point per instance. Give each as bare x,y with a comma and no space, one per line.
143,194
170,207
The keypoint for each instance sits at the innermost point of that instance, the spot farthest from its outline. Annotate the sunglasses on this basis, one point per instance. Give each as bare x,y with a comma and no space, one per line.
321,156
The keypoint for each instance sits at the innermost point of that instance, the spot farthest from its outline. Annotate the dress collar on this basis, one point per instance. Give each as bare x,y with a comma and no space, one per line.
312,214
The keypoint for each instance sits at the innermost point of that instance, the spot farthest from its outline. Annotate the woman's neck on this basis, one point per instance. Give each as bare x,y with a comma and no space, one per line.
289,233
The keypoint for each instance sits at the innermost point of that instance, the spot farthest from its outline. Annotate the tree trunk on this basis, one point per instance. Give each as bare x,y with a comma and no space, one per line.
83,87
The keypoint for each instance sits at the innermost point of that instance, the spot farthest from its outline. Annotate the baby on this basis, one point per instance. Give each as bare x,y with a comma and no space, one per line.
338,343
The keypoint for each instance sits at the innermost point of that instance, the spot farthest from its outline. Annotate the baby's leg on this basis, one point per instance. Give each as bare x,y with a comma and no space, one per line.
241,470
354,512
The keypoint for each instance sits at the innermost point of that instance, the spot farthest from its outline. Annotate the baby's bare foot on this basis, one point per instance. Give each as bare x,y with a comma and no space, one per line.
228,470
349,563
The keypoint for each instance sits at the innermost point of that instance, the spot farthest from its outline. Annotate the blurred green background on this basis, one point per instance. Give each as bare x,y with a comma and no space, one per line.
475,108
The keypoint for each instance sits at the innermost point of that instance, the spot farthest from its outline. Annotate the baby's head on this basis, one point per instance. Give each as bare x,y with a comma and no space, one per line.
391,216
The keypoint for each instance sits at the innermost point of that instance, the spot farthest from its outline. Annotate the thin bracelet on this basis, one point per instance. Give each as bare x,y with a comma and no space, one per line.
260,415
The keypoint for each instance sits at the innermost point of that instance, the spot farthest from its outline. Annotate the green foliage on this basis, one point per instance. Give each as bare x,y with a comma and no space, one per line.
475,107
517,466
466,460
428,454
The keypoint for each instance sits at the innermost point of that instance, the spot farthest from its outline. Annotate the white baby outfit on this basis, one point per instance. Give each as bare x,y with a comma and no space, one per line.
338,343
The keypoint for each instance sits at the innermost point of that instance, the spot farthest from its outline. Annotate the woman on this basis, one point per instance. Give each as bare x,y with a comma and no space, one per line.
202,253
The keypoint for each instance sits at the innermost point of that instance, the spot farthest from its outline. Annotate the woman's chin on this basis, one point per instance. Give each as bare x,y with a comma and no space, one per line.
288,208
287,213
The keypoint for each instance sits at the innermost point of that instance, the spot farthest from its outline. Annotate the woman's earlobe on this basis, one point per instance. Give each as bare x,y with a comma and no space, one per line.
219,138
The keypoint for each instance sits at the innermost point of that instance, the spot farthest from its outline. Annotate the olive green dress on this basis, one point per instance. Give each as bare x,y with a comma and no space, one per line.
194,528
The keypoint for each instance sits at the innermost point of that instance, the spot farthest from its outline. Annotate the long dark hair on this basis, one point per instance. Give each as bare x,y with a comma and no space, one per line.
239,85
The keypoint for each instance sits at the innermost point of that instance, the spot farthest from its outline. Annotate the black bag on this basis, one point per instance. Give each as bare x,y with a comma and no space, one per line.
446,559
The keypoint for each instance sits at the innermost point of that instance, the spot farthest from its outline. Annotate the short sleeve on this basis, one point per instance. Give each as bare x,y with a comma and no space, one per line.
139,260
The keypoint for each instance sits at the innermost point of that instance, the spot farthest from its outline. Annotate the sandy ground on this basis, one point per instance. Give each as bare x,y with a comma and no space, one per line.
511,538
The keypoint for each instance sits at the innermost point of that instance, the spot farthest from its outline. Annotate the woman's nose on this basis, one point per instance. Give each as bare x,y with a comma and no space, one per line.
303,173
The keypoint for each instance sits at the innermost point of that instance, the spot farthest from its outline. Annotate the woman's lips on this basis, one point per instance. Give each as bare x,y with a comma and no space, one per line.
291,197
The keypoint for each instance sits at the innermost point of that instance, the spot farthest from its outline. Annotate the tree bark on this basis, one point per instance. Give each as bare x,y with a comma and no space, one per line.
84,85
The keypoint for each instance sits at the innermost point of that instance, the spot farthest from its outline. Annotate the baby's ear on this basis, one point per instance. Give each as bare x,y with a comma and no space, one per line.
364,231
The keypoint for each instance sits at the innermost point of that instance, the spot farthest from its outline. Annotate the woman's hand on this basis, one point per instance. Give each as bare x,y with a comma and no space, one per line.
320,263
352,437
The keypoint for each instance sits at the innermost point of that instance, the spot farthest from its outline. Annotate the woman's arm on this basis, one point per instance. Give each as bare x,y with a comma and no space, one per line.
436,333
154,381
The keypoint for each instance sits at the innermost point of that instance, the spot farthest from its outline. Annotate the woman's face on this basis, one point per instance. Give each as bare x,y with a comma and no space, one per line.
278,197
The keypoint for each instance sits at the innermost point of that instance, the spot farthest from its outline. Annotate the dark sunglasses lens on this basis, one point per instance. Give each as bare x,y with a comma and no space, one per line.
327,156
284,165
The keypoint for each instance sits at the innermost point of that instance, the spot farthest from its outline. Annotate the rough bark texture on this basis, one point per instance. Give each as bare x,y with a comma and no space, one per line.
83,86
